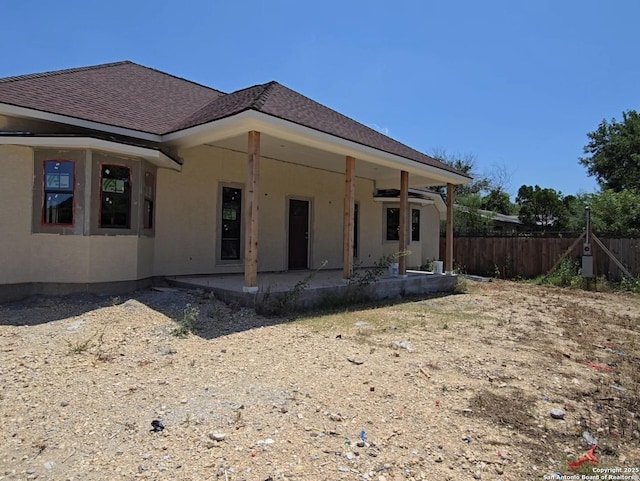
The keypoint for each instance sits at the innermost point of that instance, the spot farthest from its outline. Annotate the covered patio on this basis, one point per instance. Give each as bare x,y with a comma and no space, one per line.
315,288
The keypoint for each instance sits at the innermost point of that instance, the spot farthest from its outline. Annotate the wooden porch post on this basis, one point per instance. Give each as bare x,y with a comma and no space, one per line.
404,226
449,232
251,217
347,234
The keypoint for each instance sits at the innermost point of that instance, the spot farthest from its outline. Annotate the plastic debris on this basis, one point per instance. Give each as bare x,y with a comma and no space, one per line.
467,439
598,367
403,345
363,436
156,426
589,457
591,441
618,387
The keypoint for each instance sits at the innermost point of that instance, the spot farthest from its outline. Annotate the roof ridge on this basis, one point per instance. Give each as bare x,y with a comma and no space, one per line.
51,73
100,66
176,77
263,96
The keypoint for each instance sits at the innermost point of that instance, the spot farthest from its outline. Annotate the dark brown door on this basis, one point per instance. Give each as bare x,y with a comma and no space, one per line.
298,234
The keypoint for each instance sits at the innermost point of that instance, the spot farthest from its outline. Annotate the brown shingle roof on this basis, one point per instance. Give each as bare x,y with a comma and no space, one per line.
122,94
128,95
282,102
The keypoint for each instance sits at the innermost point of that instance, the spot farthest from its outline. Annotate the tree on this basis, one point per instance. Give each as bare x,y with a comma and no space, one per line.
614,153
616,212
465,163
497,201
541,207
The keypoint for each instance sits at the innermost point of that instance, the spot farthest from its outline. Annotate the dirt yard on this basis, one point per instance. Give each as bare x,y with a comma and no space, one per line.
448,388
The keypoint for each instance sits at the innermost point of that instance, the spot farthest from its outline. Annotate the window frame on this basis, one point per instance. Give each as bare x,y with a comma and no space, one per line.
413,230
127,194
149,197
46,192
78,157
410,238
219,224
135,166
387,208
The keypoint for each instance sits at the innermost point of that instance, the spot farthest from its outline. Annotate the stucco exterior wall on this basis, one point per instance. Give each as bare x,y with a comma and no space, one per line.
187,217
188,213
16,199
430,234
36,257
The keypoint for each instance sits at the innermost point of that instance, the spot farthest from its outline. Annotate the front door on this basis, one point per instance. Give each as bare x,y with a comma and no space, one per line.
298,234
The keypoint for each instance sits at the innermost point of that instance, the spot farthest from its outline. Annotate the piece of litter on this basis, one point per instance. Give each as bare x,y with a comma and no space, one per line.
618,387
598,367
156,426
591,441
403,345
589,457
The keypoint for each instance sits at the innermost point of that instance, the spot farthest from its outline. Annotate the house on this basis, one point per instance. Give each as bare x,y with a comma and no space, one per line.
117,174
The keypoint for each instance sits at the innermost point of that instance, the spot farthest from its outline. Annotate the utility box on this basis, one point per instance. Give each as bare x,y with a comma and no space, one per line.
586,249
587,266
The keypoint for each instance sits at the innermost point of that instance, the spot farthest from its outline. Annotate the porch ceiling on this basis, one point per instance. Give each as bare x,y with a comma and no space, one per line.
285,150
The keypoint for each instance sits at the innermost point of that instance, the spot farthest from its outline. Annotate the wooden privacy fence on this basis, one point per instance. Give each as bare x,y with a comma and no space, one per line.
527,257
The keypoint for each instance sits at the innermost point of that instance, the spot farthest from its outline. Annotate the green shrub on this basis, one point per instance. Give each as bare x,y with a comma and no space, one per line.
187,323
567,274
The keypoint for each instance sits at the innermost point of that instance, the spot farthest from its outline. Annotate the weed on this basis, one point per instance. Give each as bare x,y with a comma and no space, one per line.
362,278
274,305
566,275
187,323
82,345
462,286
630,284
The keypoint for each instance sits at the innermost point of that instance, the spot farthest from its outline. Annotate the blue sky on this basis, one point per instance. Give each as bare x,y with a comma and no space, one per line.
518,84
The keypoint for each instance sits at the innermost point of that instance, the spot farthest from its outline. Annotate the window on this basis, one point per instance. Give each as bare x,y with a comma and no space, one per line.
58,192
393,224
415,225
230,239
115,197
149,196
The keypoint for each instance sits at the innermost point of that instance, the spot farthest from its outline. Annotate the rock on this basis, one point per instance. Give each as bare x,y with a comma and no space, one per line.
438,459
590,440
337,417
403,345
217,436
557,414
264,442
156,426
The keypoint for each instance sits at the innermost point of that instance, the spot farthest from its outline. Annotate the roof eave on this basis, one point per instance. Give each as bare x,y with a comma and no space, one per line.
154,156
248,120
18,111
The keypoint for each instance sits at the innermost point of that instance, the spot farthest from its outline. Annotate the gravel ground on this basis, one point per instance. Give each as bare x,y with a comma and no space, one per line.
453,388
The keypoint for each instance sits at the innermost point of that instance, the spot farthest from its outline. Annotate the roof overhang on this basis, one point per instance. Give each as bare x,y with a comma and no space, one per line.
154,156
252,120
16,111
427,198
